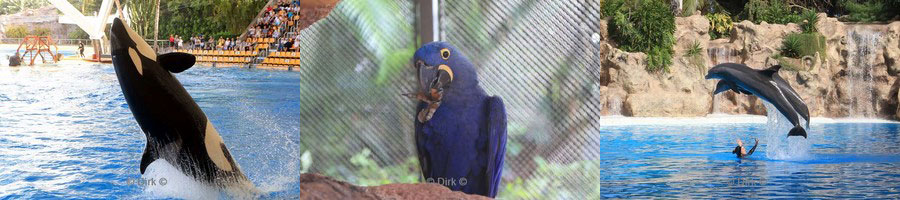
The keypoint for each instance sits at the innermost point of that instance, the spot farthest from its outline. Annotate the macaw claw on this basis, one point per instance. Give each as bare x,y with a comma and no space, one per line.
428,112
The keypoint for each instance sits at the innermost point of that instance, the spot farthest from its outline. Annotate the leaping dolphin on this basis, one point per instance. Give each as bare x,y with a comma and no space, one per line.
175,127
765,84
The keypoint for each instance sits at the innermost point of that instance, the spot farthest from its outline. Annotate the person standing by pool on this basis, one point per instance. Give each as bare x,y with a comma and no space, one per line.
80,49
741,151
171,41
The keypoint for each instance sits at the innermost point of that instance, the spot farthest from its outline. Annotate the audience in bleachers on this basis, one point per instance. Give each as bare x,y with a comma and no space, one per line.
277,29
280,21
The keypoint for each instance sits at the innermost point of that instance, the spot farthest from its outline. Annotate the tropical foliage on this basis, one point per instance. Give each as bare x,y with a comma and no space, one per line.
797,45
16,31
809,19
790,47
143,16
720,25
646,26
15,6
870,11
691,6
771,11
40,31
217,18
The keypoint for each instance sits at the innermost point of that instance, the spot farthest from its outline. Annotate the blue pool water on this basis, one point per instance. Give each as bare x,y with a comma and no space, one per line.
845,160
66,130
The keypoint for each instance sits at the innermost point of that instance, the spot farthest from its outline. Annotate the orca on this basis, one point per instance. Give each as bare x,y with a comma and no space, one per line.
176,129
765,84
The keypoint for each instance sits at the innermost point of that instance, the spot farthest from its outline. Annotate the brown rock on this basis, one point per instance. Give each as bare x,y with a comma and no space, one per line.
672,104
314,186
830,84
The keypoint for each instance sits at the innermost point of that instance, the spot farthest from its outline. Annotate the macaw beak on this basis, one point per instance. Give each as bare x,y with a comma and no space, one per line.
434,77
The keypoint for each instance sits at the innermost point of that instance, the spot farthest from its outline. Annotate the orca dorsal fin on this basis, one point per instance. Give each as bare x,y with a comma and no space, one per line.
176,62
771,70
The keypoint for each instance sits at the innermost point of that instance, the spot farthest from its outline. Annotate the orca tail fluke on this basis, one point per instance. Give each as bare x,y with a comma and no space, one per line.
797,131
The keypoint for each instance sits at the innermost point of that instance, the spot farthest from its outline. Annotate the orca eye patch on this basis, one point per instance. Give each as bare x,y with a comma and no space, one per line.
445,53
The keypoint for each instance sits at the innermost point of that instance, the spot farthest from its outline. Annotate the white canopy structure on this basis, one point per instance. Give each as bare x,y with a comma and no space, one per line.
92,25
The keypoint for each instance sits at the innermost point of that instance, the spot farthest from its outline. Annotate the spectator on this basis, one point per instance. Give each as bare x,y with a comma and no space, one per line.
171,40
221,44
289,44
80,49
276,33
227,44
180,42
212,44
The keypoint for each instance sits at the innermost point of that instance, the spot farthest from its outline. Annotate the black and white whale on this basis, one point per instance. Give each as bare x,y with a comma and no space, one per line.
765,84
176,129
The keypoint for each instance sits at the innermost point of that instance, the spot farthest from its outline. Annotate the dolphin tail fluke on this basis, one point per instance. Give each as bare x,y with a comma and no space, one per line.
797,131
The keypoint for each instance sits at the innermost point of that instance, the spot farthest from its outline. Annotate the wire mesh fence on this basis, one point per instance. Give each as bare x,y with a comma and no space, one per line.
541,57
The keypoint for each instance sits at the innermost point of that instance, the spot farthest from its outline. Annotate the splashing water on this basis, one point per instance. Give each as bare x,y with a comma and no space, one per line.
778,145
163,180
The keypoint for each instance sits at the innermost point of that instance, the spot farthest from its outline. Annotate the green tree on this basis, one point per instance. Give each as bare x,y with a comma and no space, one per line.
208,17
16,31
40,31
15,6
143,16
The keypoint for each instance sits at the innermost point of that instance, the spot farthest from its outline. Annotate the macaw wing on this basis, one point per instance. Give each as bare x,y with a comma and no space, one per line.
496,142
424,160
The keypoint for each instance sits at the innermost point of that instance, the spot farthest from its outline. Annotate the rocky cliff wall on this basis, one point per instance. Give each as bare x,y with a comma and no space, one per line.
857,76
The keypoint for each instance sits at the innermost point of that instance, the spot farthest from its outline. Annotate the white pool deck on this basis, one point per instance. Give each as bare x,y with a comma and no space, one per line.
720,119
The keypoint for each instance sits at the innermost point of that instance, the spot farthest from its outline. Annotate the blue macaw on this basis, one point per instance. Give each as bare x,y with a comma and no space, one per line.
460,130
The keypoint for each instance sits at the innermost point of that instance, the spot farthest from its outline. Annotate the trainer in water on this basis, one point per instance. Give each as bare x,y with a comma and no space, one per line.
768,86
176,129
742,152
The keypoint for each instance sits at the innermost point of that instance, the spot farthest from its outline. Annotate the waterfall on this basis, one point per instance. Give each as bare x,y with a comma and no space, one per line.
615,106
778,145
715,104
719,55
861,46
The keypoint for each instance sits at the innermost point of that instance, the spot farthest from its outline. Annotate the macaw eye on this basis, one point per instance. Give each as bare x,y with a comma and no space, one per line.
445,53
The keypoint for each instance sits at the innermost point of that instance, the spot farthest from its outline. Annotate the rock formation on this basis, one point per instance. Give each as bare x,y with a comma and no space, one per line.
857,76
314,186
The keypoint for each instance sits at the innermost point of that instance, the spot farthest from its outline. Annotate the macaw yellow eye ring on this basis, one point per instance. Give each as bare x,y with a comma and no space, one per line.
445,53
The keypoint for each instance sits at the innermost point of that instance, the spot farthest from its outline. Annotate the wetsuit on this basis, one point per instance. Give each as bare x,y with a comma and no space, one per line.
737,150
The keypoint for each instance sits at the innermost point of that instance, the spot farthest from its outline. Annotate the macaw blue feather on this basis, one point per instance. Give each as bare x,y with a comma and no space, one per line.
463,145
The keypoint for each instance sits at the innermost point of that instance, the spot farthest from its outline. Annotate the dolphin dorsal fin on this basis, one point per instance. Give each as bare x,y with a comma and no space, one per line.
176,62
771,70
